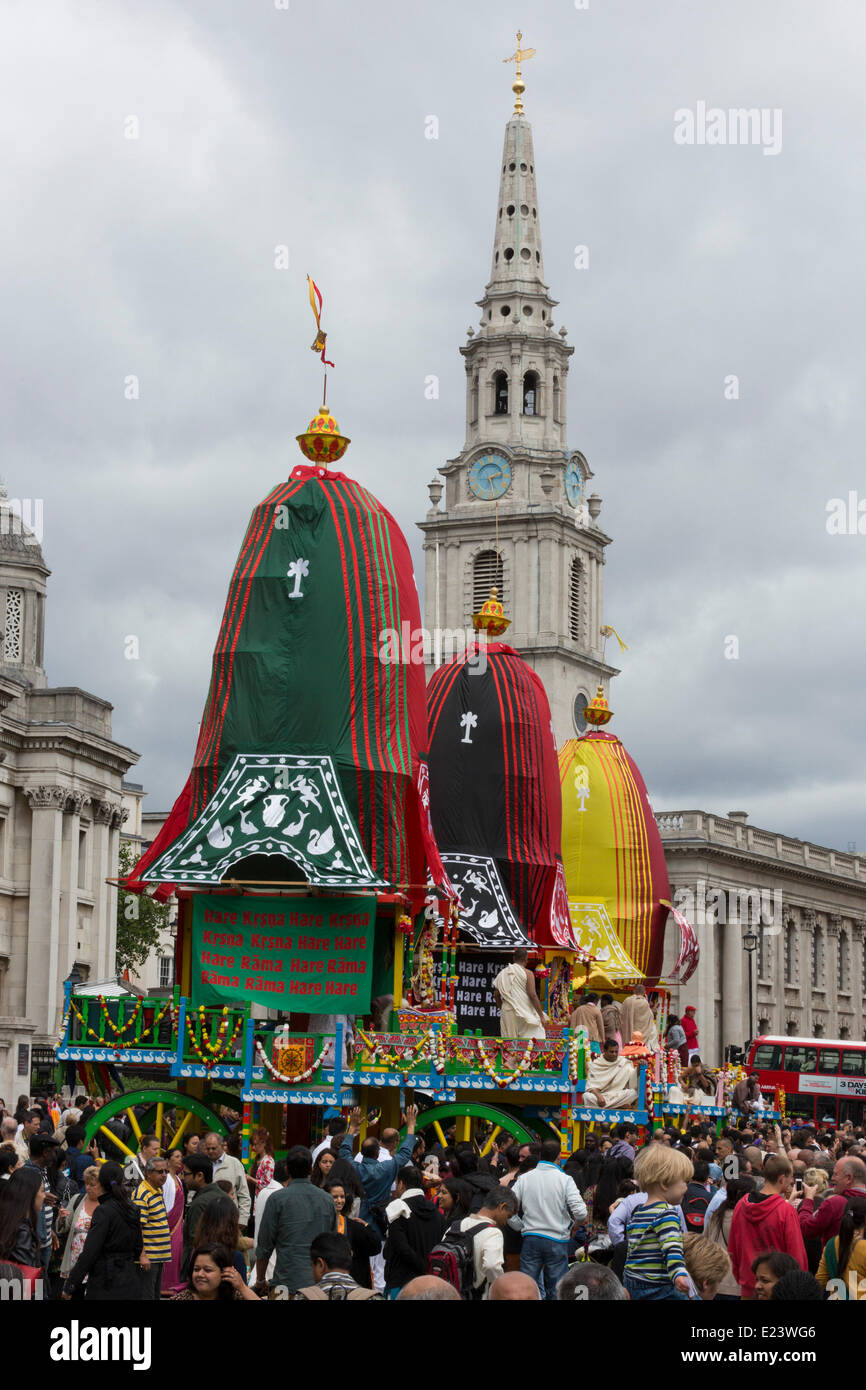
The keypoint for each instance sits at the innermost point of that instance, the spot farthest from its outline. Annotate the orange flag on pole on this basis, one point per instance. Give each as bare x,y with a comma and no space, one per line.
316,306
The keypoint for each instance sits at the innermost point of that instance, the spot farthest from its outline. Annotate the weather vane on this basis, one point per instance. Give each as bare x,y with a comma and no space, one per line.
518,86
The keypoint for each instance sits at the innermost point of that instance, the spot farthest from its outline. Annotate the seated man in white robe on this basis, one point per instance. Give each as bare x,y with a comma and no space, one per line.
521,1014
612,1081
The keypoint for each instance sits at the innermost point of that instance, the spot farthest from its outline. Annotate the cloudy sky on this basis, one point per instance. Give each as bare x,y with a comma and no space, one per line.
301,123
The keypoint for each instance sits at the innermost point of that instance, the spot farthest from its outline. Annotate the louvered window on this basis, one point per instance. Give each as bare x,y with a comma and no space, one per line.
574,599
488,573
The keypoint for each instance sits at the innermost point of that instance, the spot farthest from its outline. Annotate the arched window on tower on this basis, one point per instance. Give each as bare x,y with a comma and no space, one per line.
530,393
500,393
575,595
488,572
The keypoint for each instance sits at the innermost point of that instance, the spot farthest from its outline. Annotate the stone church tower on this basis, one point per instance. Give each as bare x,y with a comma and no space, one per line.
518,509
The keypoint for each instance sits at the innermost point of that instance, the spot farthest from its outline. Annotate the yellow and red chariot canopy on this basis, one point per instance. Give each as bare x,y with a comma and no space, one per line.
615,872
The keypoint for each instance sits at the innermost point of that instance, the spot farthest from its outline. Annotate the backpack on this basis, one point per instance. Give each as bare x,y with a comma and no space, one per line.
453,1258
694,1206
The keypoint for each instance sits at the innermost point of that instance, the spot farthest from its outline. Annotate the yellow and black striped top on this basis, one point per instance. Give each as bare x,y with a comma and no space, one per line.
154,1221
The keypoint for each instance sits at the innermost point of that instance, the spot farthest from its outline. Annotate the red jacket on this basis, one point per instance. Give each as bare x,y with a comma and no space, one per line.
690,1028
825,1222
769,1224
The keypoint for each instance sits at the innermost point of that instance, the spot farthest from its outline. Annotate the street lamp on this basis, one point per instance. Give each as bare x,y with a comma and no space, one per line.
750,944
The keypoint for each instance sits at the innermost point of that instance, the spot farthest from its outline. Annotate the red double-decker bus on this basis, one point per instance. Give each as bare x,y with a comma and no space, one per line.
824,1079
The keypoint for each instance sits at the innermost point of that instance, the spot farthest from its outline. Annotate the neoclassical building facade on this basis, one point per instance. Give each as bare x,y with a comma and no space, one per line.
61,813
806,907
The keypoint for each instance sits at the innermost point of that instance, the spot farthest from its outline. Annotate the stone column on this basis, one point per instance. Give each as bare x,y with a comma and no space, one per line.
858,975
68,943
43,928
108,816
734,1005
831,972
809,926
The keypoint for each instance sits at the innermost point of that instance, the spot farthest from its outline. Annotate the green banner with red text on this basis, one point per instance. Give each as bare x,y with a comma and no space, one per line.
304,955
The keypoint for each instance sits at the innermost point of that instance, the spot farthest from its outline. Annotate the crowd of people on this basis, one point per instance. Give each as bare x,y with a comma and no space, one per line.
757,1212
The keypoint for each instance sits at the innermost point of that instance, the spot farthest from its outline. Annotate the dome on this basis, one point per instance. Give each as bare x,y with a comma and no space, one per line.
312,745
494,797
615,872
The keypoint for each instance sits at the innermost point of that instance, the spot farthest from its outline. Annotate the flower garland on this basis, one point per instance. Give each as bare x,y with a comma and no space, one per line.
64,1022
503,1081
118,1032
116,1042
399,1060
220,1049
301,1075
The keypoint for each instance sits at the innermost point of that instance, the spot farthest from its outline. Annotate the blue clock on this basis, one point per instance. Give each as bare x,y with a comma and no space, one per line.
574,483
490,477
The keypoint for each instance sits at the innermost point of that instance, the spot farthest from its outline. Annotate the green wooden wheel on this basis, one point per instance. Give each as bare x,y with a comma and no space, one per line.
159,1099
478,1110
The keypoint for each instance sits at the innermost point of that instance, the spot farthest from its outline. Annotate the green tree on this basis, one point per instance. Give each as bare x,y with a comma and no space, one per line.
140,921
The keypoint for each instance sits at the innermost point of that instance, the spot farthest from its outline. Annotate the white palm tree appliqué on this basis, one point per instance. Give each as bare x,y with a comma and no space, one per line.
298,570
468,722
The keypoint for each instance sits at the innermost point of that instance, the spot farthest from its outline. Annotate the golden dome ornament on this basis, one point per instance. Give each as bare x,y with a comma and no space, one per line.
598,711
322,442
491,618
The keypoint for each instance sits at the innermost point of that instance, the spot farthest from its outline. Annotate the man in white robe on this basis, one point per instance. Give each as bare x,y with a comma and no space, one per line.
521,1014
612,1081
637,1017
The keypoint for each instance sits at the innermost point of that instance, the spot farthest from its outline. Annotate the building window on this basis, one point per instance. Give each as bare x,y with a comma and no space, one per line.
82,858
762,951
500,394
488,573
817,957
790,954
580,704
530,393
575,588
166,972
844,971
13,627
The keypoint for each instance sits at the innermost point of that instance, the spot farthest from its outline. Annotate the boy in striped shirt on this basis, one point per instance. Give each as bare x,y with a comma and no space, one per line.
655,1267
154,1226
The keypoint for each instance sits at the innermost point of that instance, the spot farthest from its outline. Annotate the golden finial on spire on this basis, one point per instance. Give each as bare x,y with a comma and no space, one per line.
518,86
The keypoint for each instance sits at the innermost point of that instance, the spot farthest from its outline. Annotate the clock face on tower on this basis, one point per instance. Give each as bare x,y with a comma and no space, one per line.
574,483
490,477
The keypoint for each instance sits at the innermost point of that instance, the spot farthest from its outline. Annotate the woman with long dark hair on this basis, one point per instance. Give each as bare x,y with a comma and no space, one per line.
454,1200
363,1238
113,1245
844,1256
214,1279
614,1171
20,1204
220,1225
